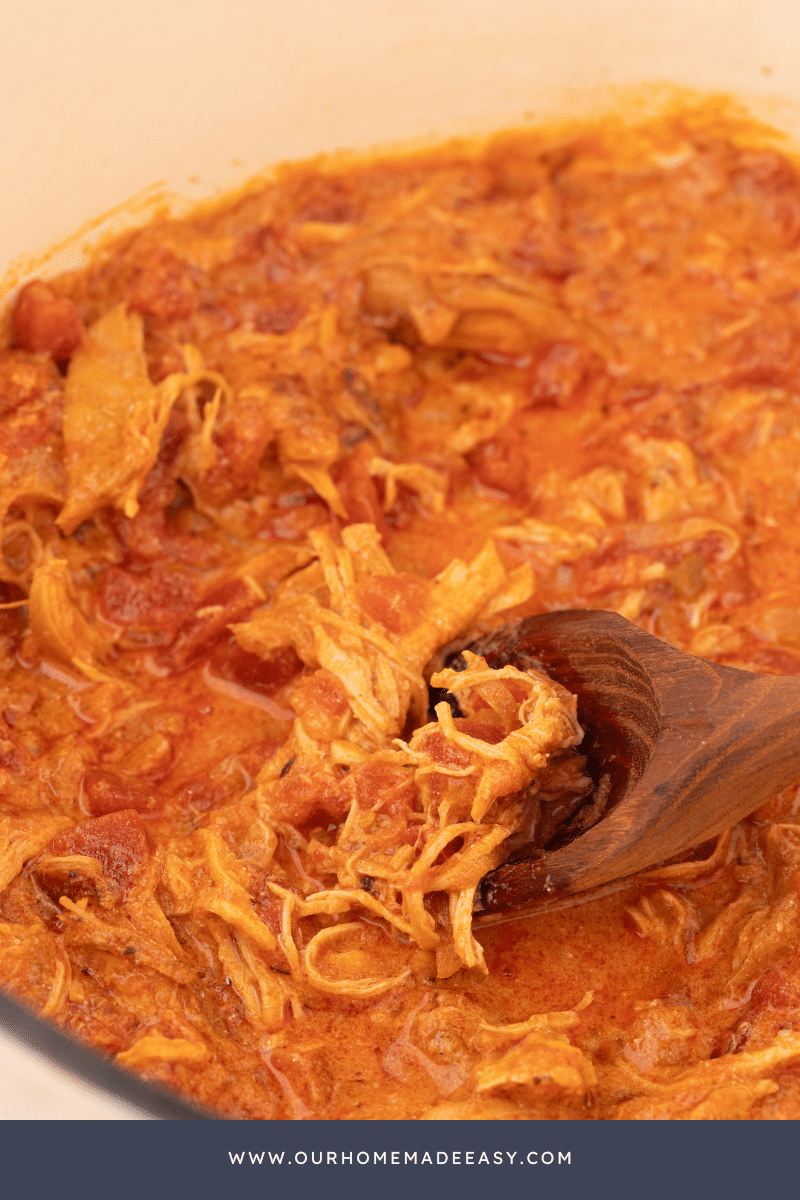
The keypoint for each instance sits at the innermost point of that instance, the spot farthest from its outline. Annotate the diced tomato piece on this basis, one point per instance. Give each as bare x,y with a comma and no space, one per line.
303,797
200,633
500,462
156,600
262,675
164,288
443,752
47,323
373,781
118,841
357,489
396,601
778,989
321,702
243,433
105,791
484,731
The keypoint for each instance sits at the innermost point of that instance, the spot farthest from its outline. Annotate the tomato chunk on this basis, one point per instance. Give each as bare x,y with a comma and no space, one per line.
106,792
163,288
47,323
157,600
357,489
118,841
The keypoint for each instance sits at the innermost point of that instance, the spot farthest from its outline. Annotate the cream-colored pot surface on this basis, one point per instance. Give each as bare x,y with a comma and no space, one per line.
105,98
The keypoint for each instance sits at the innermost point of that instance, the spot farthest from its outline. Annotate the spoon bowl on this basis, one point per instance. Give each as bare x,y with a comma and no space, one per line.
687,748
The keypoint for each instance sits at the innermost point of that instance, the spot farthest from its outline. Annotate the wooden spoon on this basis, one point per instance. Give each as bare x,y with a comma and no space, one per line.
690,748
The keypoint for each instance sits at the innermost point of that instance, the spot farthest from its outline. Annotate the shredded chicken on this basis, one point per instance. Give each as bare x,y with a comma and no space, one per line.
266,474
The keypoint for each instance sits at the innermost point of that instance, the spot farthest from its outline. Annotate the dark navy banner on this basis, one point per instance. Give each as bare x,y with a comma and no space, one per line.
177,1160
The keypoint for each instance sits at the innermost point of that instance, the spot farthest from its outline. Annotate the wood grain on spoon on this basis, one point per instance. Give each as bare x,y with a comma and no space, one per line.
690,747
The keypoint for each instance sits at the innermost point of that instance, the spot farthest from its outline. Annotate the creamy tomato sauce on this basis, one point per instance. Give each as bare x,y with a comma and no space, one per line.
262,469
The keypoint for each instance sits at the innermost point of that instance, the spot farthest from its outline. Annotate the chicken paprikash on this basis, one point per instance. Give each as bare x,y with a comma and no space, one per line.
263,471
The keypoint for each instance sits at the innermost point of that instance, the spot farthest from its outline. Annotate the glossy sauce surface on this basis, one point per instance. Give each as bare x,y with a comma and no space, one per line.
584,347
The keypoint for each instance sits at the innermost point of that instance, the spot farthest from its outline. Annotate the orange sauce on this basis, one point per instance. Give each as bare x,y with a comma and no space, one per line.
584,348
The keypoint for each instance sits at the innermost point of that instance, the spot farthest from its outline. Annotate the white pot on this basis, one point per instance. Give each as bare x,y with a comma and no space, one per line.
105,100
